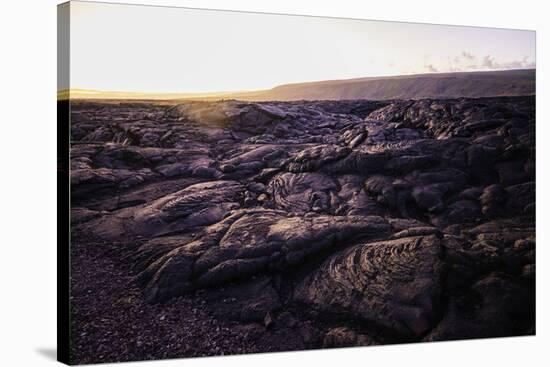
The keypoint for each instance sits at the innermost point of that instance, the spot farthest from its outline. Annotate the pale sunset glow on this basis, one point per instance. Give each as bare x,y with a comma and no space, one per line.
174,50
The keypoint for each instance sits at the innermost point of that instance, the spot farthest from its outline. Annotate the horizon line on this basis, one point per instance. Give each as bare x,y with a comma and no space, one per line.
118,94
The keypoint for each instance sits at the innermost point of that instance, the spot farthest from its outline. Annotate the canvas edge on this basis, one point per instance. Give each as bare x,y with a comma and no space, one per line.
63,189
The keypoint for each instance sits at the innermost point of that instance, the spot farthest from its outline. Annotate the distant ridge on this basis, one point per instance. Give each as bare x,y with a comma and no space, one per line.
518,82
436,85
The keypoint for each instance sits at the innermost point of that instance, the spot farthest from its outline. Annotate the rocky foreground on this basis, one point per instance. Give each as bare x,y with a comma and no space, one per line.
294,225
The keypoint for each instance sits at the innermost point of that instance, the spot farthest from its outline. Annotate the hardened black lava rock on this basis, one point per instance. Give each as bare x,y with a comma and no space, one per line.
316,224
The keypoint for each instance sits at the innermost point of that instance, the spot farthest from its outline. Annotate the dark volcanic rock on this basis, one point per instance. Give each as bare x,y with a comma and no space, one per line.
251,242
395,284
317,223
340,337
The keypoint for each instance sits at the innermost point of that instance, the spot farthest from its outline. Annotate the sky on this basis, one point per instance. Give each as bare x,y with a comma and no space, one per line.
176,50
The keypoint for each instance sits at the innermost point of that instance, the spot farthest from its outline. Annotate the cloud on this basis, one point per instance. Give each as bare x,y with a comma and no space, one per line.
489,62
467,61
431,68
468,56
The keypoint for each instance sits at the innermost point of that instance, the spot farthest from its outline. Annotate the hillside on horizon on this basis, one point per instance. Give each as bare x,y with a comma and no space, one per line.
519,82
436,85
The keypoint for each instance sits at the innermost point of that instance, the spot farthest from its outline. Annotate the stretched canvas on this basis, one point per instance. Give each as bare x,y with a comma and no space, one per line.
233,182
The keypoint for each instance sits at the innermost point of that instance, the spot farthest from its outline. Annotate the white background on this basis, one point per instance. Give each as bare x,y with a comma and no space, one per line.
28,182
